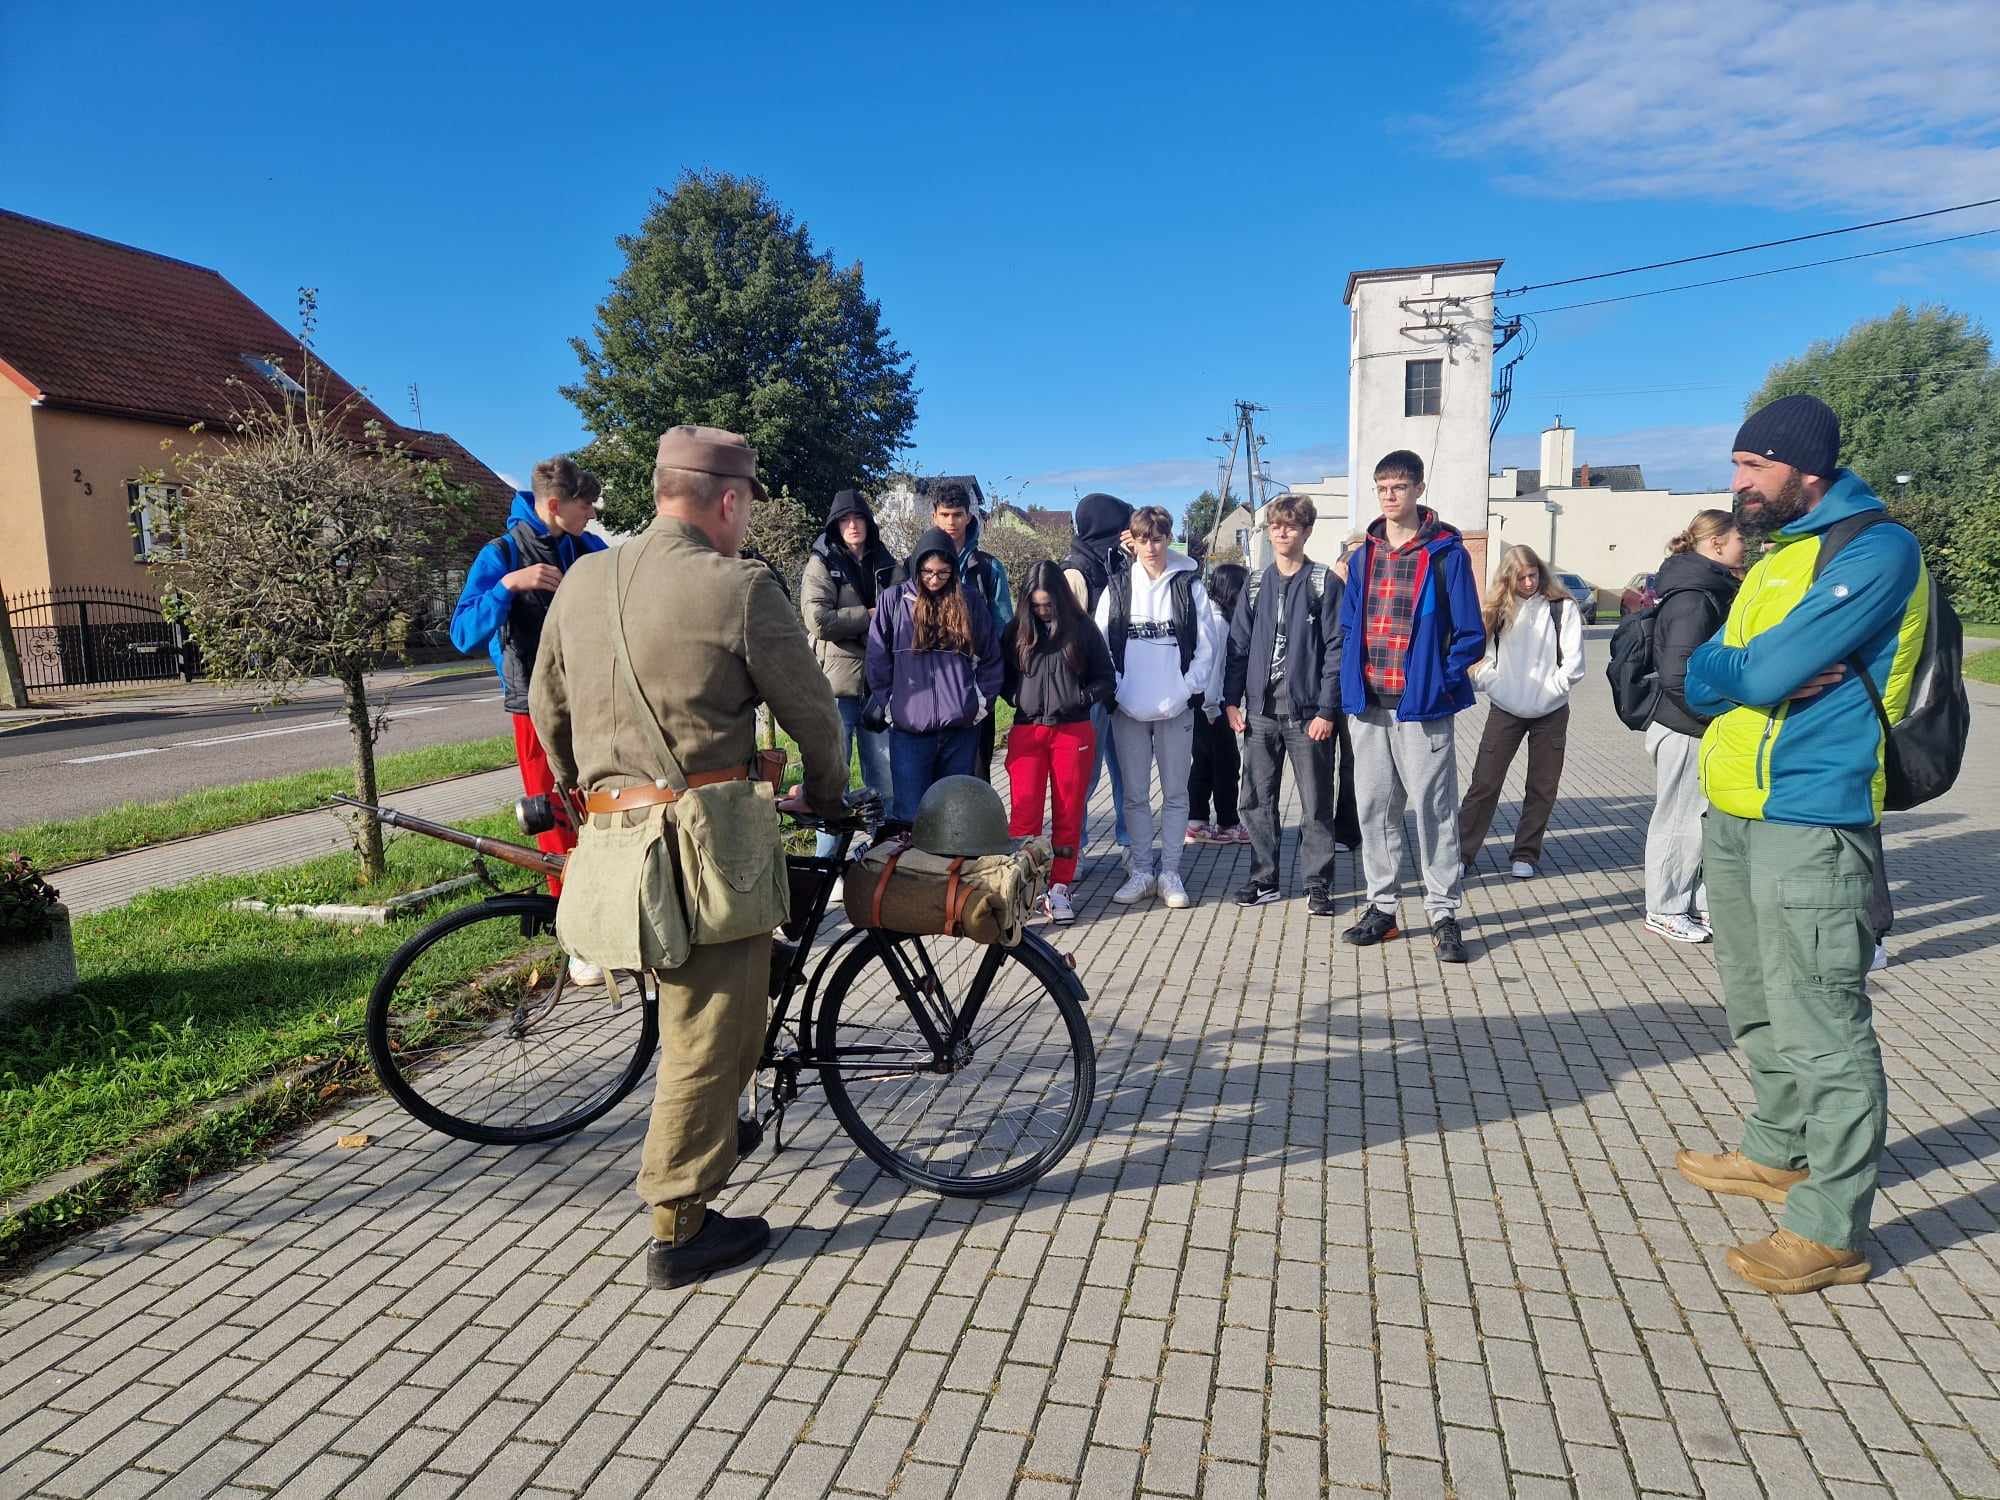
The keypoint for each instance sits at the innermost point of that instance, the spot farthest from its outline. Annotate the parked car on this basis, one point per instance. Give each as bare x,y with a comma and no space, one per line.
1639,594
1584,595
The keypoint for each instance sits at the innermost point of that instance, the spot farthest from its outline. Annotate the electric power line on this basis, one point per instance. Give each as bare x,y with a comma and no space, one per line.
1796,239
1804,265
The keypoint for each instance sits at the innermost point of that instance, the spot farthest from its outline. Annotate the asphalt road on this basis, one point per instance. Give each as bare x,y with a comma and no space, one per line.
67,767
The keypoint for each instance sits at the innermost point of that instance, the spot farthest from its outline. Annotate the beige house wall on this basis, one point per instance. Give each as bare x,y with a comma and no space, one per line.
1605,536
86,463
24,550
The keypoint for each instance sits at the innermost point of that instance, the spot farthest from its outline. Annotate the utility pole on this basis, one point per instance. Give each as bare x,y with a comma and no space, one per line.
416,406
1245,435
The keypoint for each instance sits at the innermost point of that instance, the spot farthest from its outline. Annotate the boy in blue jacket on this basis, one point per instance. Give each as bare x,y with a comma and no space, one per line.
506,598
1410,617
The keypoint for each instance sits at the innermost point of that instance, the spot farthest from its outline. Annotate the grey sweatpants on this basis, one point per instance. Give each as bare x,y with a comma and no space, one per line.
1142,744
1414,765
1673,837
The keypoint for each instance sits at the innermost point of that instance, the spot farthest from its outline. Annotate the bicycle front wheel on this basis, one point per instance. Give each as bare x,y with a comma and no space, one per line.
958,1066
476,1028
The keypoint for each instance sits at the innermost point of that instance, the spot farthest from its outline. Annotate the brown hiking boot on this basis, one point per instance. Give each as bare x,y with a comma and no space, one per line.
1733,1172
1788,1262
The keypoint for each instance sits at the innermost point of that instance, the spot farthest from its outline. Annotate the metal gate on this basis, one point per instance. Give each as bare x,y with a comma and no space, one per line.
79,636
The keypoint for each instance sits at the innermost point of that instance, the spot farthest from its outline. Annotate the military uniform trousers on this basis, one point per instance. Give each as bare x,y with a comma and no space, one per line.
713,1011
1789,904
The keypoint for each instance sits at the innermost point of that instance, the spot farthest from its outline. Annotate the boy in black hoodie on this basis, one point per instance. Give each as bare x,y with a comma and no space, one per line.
1099,551
848,566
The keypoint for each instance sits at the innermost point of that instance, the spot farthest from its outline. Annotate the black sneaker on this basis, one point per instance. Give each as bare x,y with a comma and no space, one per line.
1375,926
719,1244
1256,893
1319,901
1450,946
749,1135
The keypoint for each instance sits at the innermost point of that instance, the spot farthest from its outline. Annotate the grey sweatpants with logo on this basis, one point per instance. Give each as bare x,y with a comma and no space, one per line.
1415,766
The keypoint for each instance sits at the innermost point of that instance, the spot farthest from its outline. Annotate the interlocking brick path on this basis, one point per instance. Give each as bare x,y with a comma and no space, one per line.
1346,1220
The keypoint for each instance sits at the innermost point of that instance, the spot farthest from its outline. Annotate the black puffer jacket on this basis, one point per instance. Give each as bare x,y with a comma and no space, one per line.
1050,692
1695,595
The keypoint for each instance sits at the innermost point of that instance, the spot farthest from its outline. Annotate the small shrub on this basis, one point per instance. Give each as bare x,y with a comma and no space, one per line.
27,903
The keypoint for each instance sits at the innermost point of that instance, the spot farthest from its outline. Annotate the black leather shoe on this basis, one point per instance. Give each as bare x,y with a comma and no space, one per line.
1319,901
1256,893
1451,947
719,1244
749,1136
1375,926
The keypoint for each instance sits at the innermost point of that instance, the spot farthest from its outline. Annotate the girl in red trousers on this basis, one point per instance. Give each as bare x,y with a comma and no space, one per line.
1058,669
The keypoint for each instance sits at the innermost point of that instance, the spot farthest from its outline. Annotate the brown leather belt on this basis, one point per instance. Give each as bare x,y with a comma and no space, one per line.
628,798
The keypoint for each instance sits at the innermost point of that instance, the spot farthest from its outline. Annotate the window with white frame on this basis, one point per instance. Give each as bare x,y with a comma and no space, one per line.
155,510
1423,387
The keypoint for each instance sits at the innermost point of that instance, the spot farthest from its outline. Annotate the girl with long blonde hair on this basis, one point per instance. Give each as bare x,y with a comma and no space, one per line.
1534,657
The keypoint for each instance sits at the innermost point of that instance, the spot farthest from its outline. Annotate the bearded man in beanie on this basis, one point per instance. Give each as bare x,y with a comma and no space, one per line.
653,660
1791,764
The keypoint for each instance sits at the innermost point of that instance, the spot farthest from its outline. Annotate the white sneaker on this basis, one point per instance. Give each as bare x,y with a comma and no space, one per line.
1880,960
1137,887
1173,893
1522,870
583,975
1056,904
1680,927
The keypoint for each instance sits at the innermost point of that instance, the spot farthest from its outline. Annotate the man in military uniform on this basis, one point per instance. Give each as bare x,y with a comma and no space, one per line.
710,635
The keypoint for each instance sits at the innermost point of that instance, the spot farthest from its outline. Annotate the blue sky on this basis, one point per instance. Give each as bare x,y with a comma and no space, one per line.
1094,227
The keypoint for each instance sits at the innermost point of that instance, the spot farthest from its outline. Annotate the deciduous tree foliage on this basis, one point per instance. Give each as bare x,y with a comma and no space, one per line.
1917,393
724,314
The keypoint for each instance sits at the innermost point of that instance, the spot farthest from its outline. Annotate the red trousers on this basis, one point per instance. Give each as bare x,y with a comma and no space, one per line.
1045,759
537,780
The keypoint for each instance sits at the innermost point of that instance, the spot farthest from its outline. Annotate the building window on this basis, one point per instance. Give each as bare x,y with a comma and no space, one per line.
154,509
1423,387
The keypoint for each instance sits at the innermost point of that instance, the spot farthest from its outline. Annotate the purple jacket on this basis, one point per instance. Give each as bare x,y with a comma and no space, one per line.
928,691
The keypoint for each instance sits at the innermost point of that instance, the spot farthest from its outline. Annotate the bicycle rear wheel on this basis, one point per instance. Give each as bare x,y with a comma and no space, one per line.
1003,1097
476,1029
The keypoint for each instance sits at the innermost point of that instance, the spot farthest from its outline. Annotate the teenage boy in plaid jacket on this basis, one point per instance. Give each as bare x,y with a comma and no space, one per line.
1411,619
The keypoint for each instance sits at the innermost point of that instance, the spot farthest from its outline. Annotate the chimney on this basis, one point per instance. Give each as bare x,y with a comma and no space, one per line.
1558,455
1583,477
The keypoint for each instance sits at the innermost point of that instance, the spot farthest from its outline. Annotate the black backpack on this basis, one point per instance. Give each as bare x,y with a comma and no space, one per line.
1923,751
1187,632
1632,672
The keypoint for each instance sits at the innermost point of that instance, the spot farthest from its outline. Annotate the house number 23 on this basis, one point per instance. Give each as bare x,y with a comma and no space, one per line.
76,477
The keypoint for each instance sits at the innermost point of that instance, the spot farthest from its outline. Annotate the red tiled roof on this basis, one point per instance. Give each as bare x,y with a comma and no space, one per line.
90,325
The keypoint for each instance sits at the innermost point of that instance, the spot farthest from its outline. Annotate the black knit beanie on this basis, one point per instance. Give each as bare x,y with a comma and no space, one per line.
1798,430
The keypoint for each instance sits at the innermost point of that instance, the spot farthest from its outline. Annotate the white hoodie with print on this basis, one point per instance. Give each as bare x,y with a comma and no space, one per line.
1153,686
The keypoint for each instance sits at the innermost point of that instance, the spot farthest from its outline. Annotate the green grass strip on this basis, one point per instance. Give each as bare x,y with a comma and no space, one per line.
1983,666
136,825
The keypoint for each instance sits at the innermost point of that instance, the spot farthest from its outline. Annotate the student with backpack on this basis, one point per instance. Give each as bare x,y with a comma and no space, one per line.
1151,617
1833,690
507,593
1281,691
1695,587
934,673
1058,672
1534,658
1102,522
1218,757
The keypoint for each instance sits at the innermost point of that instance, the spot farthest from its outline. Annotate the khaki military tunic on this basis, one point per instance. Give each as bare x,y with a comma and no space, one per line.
710,638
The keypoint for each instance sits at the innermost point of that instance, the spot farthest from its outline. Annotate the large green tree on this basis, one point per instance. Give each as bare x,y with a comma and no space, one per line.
724,314
1917,393
1198,520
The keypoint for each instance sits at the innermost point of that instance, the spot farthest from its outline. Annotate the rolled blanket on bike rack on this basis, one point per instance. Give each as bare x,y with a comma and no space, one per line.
989,899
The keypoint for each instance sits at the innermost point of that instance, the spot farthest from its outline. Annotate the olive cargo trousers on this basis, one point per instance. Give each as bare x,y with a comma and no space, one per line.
713,1010
1789,905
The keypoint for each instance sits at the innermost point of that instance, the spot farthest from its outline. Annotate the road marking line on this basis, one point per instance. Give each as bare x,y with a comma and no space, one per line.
91,760
254,734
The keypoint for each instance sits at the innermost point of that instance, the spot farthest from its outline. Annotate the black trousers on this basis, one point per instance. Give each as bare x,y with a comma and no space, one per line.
1326,797
982,759
1217,764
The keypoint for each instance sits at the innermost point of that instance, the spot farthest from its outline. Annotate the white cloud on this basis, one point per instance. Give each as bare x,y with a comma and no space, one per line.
510,481
1853,104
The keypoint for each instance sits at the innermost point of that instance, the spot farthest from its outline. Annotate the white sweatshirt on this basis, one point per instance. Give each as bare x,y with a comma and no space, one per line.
1520,673
1152,686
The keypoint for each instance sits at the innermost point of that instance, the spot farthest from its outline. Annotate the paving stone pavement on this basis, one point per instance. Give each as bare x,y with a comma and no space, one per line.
1343,1221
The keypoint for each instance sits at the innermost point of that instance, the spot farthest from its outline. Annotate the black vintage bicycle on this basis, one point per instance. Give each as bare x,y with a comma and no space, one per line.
961,1067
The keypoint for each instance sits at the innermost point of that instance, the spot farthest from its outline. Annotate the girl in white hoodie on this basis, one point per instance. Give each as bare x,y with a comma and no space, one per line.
1153,617
1534,657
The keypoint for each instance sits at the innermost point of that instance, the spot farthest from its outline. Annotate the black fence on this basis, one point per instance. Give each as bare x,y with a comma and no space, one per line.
75,637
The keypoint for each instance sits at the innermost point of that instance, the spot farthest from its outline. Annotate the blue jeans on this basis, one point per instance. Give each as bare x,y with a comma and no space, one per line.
919,761
874,759
1100,720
